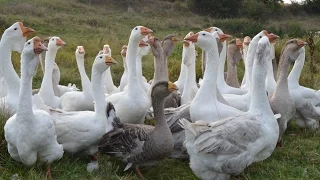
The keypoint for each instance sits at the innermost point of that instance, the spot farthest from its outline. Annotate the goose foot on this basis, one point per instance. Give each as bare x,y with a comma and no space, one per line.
139,172
48,174
93,165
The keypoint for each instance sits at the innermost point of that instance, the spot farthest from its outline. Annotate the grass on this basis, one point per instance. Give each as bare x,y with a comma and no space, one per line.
95,25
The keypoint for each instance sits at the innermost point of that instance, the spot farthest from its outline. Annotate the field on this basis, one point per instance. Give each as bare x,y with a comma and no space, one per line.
92,26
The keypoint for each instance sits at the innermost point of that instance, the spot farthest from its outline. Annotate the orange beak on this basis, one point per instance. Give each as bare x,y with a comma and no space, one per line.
238,43
209,29
301,43
192,38
223,37
25,30
60,42
145,30
151,40
110,61
272,37
38,47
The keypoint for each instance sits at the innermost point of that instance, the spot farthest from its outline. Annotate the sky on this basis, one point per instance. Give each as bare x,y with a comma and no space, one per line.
289,1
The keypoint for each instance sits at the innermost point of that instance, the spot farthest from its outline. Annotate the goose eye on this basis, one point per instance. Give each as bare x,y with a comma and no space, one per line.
156,39
260,36
203,34
28,42
136,28
100,57
52,39
15,29
216,29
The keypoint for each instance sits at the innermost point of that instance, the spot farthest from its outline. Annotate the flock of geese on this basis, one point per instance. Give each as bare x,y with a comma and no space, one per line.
220,125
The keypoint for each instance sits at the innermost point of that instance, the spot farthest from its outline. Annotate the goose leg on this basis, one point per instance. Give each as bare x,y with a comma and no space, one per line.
48,174
139,172
280,143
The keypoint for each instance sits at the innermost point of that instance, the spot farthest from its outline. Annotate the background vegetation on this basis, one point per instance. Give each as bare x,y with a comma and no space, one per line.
93,23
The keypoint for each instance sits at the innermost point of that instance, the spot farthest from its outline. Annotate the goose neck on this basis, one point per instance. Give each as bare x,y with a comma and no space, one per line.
270,75
283,71
133,81
232,69
46,85
249,65
191,74
85,81
6,67
158,106
139,65
210,75
259,99
98,94
295,73
222,60
161,68
25,95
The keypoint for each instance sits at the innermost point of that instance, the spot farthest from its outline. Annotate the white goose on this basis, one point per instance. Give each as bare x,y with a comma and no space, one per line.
13,39
242,102
223,87
306,100
46,89
107,80
133,103
189,60
80,131
205,106
124,77
31,133
79,101
58,90
220,149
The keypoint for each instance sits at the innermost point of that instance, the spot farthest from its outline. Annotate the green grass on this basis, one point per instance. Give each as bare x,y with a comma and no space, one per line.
96,25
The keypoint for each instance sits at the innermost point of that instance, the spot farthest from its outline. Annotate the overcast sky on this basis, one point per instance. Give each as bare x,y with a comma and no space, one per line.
289,1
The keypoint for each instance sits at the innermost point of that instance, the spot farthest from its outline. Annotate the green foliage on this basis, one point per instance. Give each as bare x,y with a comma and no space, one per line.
312,6
218,8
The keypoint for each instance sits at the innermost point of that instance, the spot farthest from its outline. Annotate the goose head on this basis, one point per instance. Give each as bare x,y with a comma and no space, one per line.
214,29
32,49
80,52
102,62
124,51
55,43
262,51
162,89
156,47
203,39
106,49
188,50
246,41
17,33
234,48
139,32
292,49
168,44
220,38
144,47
